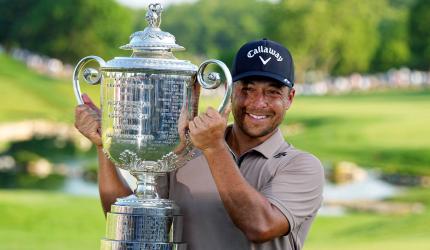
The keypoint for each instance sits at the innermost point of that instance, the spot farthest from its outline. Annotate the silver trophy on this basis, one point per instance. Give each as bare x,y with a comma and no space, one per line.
143,97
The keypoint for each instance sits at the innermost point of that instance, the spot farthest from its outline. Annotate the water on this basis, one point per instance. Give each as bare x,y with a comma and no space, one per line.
369,189
76,185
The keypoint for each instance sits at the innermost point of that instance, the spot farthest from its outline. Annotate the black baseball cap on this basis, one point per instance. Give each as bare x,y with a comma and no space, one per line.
264,58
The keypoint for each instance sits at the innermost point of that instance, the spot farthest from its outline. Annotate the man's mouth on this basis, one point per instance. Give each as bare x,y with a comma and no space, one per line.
257,117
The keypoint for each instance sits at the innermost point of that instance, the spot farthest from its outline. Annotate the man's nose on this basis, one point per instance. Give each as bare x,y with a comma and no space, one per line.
258,100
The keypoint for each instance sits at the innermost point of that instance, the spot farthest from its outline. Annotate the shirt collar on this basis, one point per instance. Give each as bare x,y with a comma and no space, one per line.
271,145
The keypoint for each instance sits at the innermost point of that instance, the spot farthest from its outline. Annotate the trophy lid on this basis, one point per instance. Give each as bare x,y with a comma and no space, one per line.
152,49
152,37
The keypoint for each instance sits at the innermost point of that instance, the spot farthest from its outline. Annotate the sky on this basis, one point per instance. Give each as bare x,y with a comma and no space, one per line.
145,3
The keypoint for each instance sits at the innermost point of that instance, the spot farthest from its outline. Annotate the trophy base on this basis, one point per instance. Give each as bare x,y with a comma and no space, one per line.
143,224
107,244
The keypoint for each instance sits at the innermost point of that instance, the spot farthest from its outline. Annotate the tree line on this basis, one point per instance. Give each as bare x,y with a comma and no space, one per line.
327,37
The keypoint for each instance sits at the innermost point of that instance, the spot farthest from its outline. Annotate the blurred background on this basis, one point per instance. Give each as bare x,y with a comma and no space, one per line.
362,107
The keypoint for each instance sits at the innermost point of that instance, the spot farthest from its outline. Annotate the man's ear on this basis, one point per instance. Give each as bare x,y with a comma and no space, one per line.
291,94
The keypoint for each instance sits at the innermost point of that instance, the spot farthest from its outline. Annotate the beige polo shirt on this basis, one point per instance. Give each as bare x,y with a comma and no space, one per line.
290,179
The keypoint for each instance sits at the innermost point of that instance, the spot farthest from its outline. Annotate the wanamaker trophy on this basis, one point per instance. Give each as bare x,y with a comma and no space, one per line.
143,97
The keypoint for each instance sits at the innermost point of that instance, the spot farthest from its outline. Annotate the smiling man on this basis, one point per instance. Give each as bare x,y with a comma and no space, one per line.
248,188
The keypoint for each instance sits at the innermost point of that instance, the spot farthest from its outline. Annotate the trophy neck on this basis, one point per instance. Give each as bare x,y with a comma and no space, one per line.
146,186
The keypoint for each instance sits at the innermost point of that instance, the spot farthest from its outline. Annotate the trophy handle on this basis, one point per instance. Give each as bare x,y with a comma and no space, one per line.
214,80
186,153
92,76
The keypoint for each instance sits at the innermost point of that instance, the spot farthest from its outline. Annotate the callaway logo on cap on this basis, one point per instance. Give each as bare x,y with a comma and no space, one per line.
264,58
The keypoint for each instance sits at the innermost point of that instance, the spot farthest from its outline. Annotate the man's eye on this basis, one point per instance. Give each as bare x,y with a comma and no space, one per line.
274,92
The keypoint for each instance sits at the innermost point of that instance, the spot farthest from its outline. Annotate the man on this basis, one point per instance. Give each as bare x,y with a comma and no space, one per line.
248,188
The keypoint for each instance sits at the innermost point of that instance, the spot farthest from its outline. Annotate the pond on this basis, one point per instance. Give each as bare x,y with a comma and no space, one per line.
371,188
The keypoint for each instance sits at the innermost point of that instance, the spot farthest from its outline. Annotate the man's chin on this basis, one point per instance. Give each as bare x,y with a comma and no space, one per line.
257,133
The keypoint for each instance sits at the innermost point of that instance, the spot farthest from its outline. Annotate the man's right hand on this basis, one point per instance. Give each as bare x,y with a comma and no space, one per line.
88,120
184,117
111,183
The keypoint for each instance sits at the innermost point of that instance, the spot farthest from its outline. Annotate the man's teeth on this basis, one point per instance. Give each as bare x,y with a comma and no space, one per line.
259,117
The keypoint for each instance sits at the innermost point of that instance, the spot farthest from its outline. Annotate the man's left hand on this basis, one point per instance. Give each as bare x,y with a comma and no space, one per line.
207,130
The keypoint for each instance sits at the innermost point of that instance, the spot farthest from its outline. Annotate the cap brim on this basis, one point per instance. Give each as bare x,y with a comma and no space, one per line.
275,77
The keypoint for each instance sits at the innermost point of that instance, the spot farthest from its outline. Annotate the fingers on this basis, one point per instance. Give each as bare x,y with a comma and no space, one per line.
197,88
201,121
226,112
207,130
88,122
84,112
211,112
87,100
195,96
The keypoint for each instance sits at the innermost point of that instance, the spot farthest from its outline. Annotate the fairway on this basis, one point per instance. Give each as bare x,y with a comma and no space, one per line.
365,231
387,130
48,221
381,129
377,129
28,95
345,84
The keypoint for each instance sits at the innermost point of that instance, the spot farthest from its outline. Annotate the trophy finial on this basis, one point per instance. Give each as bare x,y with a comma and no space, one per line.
152,38
153,15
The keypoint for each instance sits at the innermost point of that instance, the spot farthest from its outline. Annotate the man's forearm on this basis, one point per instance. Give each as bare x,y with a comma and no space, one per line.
249,210
111,184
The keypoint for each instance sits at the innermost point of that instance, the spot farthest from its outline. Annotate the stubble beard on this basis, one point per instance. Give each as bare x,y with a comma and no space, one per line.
256,133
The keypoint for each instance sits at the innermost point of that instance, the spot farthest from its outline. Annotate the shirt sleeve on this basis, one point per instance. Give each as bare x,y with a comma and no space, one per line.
162,185
296,188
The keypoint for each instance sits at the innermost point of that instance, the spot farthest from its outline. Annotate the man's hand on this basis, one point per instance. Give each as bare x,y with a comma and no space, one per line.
88,120
185,117
182,130
207,130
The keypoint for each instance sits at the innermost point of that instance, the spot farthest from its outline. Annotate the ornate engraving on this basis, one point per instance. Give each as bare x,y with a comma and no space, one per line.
142,100
130,159
153,15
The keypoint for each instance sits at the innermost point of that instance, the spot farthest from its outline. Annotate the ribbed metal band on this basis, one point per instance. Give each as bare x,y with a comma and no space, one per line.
127,245
144,228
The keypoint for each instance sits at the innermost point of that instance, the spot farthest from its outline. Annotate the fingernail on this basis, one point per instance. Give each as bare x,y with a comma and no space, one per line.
85,98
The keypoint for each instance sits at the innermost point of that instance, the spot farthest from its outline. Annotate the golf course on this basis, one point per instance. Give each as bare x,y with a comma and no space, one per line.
385,130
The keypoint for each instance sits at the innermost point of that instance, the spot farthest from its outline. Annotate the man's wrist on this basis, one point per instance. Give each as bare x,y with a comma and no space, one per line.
215,149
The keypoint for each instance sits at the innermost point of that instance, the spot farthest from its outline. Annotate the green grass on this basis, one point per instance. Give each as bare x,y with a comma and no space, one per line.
371,231
29,95
45,220
386,130
382,129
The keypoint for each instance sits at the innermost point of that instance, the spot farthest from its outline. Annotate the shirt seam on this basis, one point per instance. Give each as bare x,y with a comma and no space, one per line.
284,210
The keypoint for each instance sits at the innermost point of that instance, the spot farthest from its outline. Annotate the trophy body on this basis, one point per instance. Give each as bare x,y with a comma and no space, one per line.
143,98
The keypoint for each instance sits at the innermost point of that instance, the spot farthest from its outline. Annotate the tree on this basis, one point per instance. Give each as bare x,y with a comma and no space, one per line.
67,29
332,36
419,20
393,50
214,29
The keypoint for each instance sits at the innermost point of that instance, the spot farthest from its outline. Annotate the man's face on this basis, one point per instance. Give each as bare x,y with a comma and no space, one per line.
259,105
